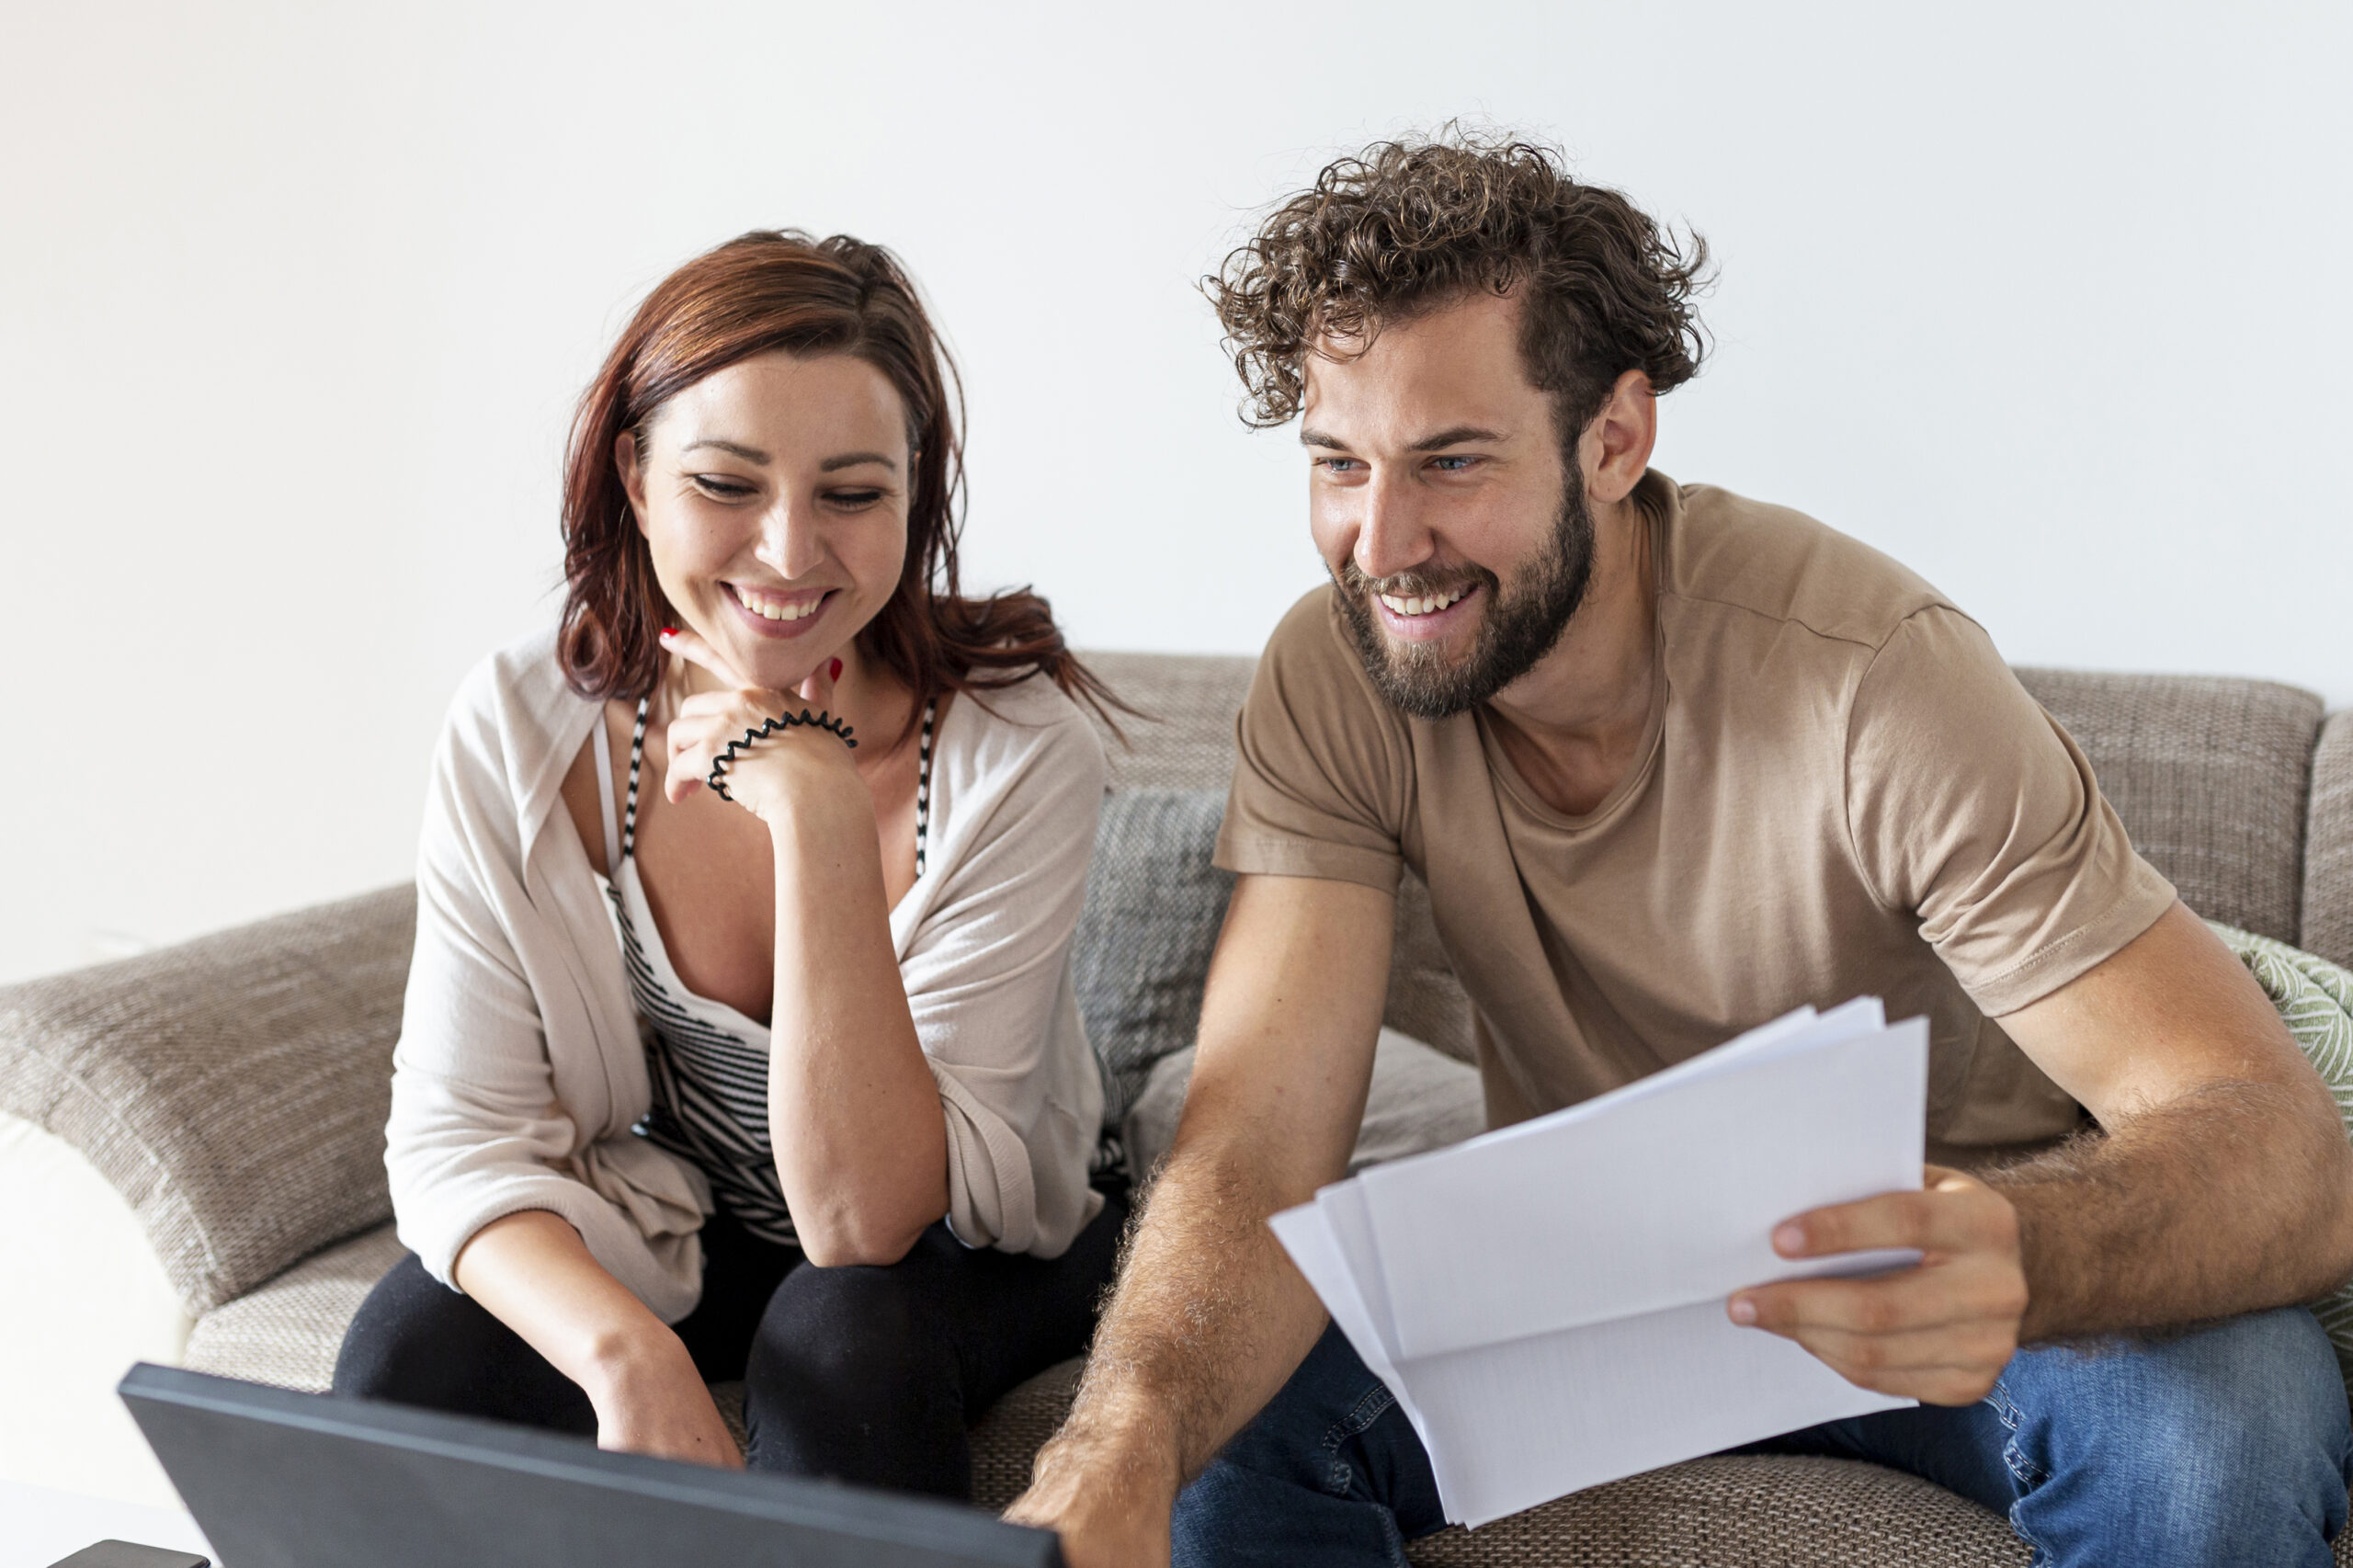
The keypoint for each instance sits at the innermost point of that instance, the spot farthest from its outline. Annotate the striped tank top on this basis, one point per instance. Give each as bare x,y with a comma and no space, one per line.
708,1063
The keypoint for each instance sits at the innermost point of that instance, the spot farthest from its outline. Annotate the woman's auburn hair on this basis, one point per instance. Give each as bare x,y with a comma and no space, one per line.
781,290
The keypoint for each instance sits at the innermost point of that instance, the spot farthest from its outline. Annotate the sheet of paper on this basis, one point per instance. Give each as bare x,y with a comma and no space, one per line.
1548,1302
1306,1234
1520,1424
1666,1199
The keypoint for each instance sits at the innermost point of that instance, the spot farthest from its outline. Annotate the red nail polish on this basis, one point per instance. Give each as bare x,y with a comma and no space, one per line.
669,631
836,674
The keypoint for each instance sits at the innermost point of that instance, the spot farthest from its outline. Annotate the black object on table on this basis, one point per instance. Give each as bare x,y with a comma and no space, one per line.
130,1554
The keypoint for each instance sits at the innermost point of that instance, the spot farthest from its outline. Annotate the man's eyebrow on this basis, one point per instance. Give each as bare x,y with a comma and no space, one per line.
749,454
1439,442
852,460
1455,438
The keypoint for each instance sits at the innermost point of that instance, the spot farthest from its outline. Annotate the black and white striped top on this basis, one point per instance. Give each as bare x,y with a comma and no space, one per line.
708,1063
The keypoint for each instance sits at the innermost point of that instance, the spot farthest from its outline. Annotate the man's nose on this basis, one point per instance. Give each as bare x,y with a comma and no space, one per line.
790,541
1392,537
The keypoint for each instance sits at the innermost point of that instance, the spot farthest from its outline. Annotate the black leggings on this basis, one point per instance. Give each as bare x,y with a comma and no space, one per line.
865,1375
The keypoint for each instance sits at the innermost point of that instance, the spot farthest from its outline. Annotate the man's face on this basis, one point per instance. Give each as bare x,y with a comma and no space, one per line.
1442,504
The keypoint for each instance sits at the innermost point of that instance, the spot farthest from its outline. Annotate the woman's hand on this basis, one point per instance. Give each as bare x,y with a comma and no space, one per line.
768,778
531,1271
652,1400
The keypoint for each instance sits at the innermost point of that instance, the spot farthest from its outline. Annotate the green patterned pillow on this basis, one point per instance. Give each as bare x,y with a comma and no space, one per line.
2315,1000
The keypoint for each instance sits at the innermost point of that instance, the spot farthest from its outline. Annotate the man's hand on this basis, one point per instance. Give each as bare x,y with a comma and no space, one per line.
1110,1509
1939,1333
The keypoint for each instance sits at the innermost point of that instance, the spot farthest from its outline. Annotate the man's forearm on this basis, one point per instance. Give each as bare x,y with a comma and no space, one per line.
1209,1321
2234,1198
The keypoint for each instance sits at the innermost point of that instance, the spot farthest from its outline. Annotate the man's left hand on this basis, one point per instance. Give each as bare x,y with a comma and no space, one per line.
1939,1333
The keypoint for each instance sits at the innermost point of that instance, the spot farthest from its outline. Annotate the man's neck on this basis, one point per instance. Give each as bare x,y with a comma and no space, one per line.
1573,725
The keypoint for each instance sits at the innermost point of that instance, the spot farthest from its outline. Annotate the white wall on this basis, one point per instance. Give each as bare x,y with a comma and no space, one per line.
2047,299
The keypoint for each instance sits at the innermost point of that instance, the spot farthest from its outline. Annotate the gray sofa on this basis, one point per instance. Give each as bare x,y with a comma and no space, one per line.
233,1090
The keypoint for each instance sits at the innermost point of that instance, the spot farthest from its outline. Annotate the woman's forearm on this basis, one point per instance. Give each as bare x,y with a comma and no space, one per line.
532,1272
854,1113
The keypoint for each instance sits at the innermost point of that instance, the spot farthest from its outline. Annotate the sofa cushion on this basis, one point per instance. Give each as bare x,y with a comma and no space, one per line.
1181,737
2210,777
1419,1099
234,1088
288,1332
1153,902
1788,1511
2328,845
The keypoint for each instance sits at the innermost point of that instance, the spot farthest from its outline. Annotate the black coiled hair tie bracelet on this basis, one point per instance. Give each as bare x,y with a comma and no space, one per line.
827,722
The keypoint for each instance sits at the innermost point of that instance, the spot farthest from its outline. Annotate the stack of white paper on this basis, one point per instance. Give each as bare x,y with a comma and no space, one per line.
1548,1300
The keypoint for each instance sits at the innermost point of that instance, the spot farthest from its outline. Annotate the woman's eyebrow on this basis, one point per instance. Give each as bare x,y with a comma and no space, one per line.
852,460
749,454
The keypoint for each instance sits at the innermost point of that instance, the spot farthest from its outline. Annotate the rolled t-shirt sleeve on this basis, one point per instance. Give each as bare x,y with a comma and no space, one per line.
1322,770
1969,808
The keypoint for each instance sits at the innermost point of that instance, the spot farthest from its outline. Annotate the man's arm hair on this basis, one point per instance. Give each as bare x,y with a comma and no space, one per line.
1209,1317
2220,1180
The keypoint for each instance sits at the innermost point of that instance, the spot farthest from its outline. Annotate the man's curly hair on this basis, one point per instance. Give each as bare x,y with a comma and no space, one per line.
1404,227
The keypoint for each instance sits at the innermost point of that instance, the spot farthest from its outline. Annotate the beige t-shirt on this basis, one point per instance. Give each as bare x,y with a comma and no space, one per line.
1843,791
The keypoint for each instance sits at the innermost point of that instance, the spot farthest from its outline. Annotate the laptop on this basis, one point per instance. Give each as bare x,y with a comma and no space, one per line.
285,1480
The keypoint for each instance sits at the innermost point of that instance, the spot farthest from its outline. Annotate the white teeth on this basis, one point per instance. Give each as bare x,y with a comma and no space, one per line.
1422,604
769,610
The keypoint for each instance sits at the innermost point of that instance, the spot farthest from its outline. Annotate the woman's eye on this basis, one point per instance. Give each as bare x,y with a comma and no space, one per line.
855,499
723,489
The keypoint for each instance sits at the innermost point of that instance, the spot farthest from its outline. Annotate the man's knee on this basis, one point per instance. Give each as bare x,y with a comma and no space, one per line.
2232,1435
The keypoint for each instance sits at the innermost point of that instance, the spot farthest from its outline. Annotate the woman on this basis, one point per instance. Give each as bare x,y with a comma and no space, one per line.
741,1040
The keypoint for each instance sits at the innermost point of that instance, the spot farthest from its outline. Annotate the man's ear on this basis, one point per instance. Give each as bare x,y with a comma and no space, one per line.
1615,447
625,458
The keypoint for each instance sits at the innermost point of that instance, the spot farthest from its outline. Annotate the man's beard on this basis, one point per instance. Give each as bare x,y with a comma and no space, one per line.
1516,630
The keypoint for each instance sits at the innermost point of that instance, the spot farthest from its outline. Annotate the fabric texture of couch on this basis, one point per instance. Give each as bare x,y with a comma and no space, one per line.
234,1089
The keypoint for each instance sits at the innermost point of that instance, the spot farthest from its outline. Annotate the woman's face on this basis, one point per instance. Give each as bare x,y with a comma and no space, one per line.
774,496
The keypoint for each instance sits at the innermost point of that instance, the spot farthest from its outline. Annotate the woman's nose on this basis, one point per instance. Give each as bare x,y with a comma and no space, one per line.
790,541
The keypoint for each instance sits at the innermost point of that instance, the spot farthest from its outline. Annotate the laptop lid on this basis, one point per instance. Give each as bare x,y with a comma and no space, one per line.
285,1480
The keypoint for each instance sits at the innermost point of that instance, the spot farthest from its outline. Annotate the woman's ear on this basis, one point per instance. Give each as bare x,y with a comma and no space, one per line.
625,458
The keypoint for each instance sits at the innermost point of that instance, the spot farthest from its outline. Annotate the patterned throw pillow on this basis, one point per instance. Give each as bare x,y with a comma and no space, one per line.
2315,1000
1154,907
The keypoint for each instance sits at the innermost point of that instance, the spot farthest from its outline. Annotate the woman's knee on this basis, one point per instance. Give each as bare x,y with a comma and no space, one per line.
854,1375
854,1323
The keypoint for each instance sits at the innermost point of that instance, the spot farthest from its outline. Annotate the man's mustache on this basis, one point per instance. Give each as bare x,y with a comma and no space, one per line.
1411,585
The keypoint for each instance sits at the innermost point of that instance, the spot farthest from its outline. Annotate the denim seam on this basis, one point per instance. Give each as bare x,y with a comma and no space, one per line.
1363,1413
2022,1469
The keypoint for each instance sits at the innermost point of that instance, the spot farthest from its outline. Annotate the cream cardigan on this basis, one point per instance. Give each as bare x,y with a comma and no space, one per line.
521,1069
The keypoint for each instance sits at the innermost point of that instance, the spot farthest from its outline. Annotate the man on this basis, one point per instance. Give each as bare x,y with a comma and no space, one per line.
1672,762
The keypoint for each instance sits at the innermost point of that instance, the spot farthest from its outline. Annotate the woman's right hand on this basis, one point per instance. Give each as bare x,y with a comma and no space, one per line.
652,1400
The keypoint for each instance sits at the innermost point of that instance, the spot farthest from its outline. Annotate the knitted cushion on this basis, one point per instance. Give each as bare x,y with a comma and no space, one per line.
234,1088
1153,902
287,1333
2328,845
1182,735
2315,1001
2210,777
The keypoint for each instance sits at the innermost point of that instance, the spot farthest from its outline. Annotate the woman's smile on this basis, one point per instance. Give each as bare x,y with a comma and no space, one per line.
769,613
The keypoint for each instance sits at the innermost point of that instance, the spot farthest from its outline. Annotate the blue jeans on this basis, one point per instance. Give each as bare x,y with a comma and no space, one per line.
2225,1447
